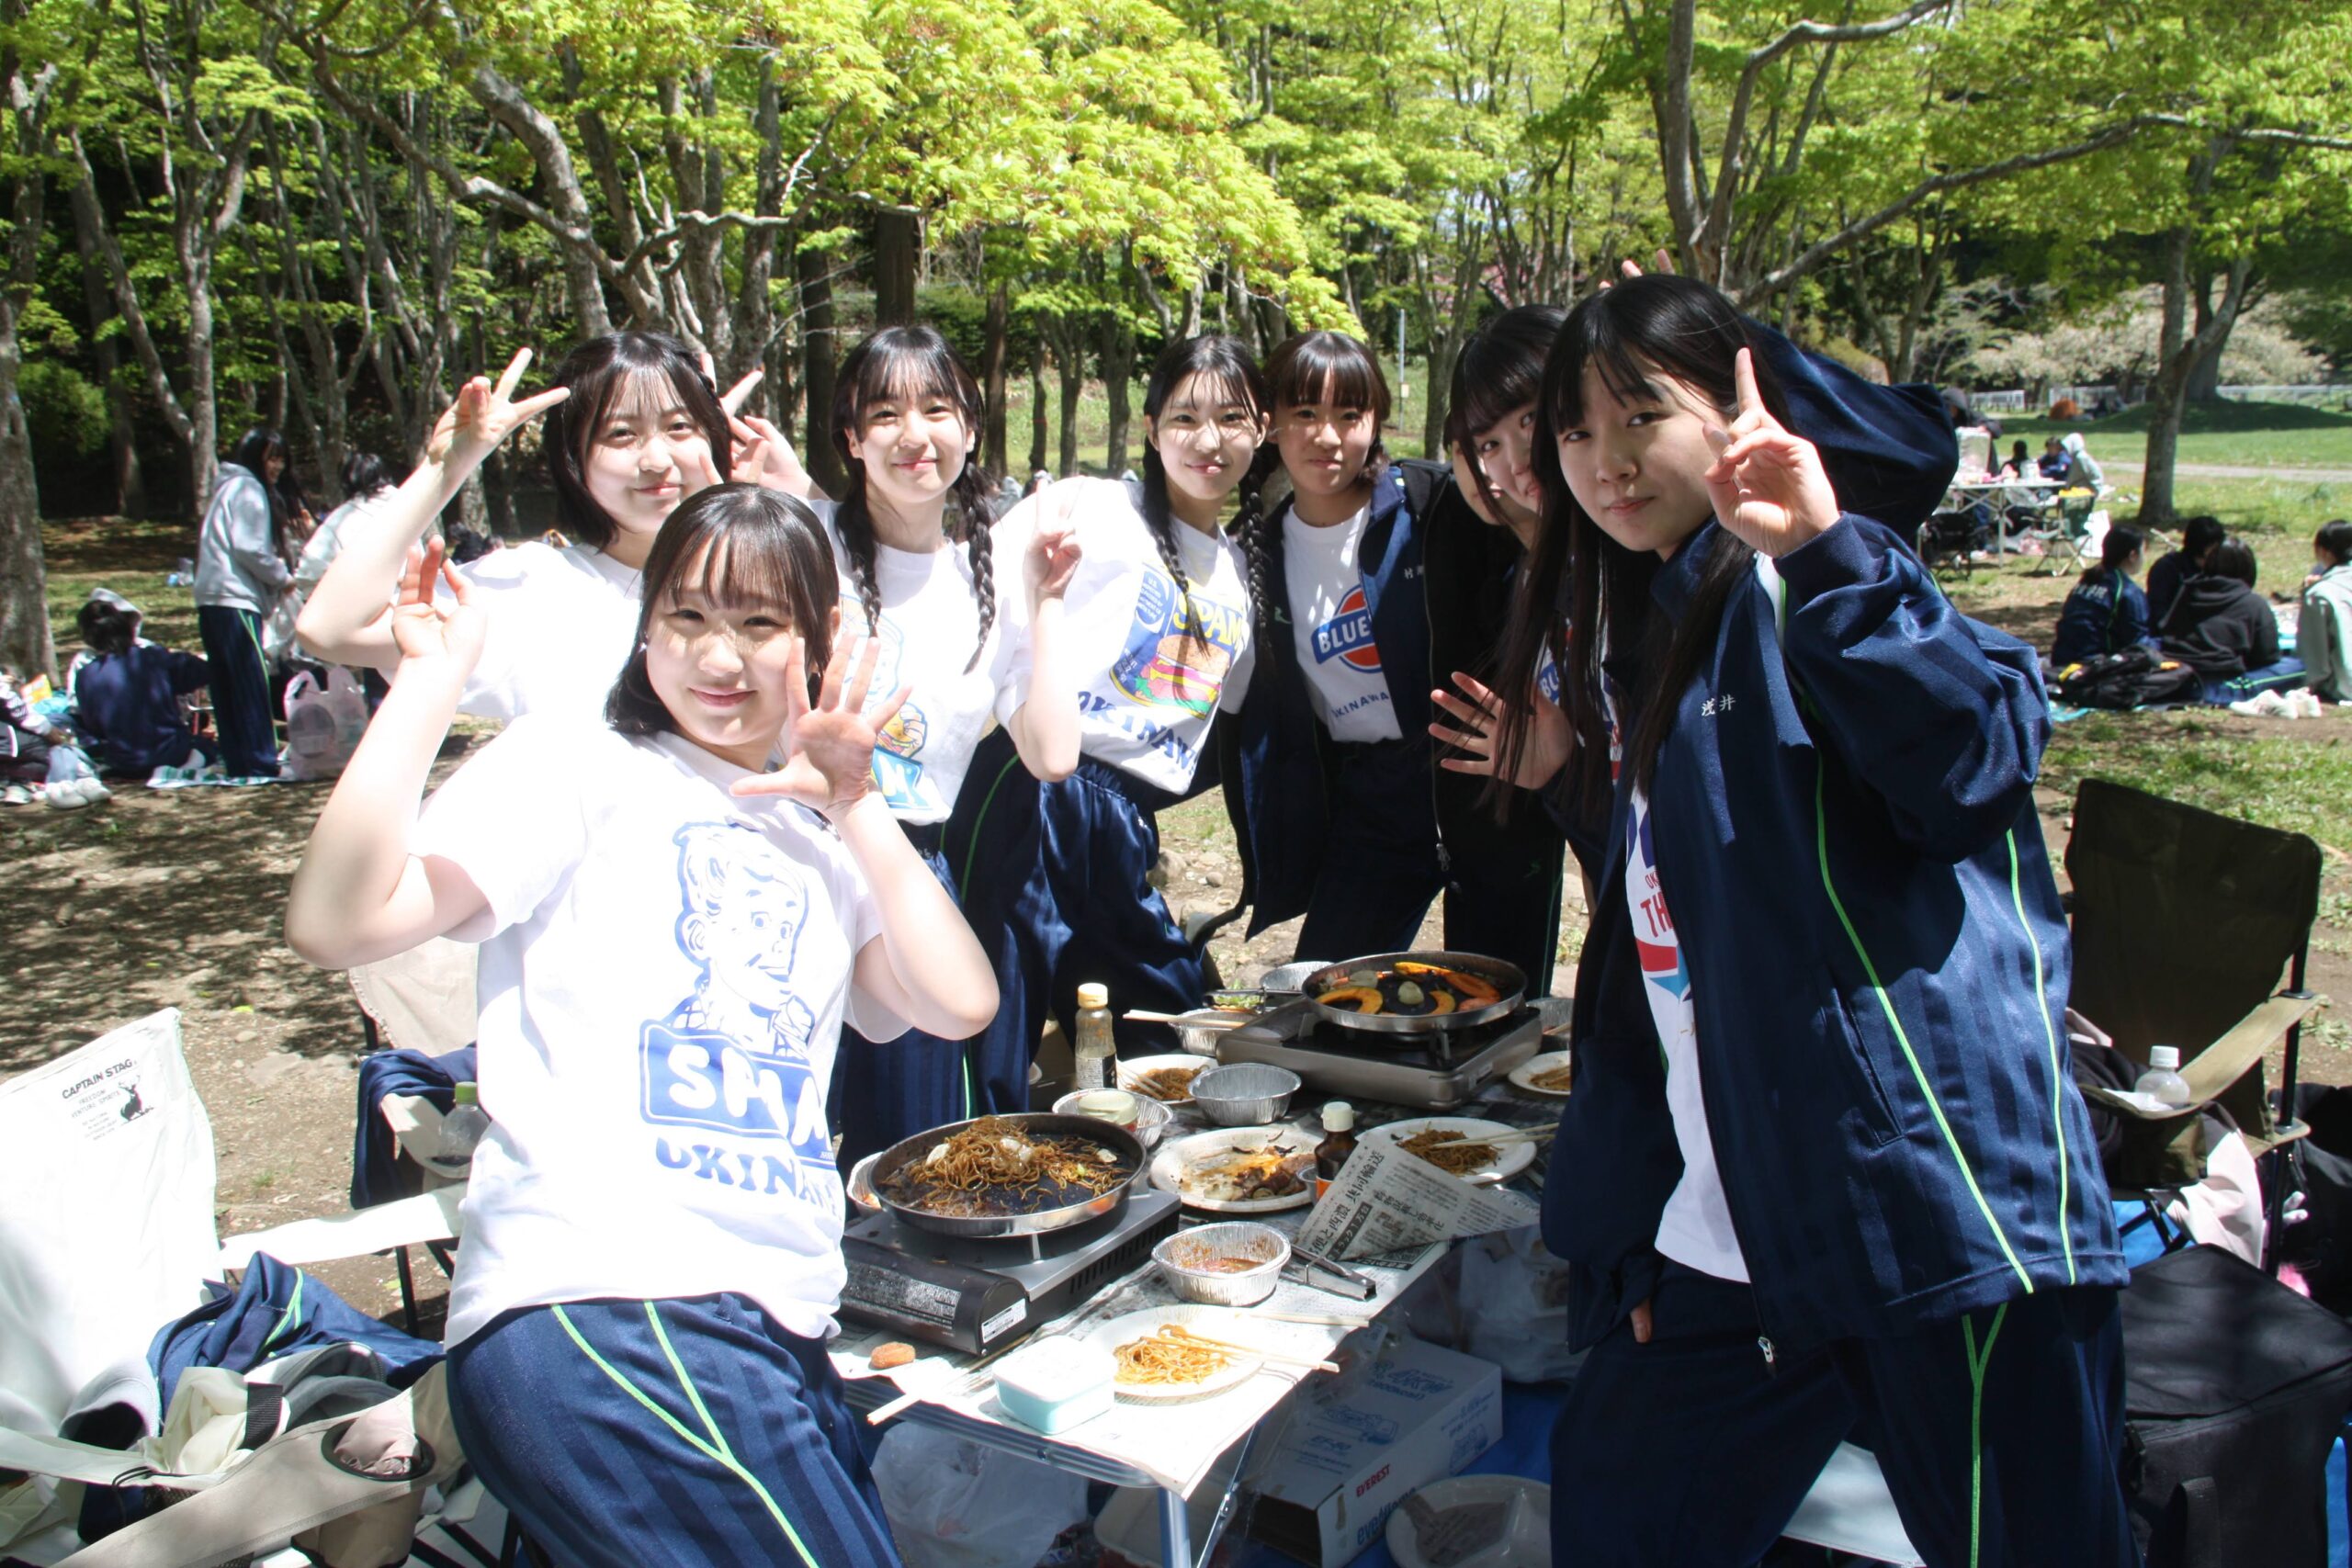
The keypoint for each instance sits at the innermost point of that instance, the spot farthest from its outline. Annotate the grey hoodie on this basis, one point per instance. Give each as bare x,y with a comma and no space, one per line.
235,566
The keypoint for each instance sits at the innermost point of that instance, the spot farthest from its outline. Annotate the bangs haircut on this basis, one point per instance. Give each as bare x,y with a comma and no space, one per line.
1327,366
608,373
1501,371
1224,374
736,545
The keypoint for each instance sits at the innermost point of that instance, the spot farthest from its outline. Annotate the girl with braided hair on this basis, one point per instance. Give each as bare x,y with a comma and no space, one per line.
918,572
1160,642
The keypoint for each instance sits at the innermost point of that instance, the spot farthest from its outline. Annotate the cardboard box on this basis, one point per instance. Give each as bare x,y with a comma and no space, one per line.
1327,1477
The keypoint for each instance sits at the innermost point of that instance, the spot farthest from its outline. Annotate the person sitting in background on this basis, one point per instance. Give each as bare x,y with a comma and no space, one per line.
39,757
2220,627
2324,631
128,696
2054,460
2021,465
2198,538
2082,468
2106,613
367,479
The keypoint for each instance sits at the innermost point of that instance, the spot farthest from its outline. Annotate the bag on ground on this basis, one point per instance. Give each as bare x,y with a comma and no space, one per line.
323,723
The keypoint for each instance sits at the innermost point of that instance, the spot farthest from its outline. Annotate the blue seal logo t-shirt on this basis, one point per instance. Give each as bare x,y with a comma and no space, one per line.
1347,635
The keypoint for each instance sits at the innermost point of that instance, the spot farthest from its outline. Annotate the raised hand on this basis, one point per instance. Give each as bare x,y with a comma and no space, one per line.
425,632
778,466
1545,737
1053,552
485,414
1768,485
830,765
731,401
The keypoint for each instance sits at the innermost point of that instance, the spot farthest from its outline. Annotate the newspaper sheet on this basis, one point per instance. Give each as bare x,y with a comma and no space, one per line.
1386,1199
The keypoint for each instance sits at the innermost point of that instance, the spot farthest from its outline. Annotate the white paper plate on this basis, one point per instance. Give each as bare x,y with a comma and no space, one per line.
1527,1545
1524,1075
1238,1368
1133,1067
1168,1165
1510,1159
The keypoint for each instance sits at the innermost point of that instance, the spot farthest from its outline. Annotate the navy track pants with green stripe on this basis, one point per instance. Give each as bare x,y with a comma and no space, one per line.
624,1433
2000,1434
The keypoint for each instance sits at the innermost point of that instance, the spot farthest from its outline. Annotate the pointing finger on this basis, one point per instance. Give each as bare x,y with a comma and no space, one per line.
1750,399
512,376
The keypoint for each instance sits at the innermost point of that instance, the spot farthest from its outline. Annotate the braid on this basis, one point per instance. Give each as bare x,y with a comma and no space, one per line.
1258,547
856,527
1250,524
1163,534
972,520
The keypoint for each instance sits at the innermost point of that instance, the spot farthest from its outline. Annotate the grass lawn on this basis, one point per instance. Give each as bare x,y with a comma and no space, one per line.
2298,778
2250,434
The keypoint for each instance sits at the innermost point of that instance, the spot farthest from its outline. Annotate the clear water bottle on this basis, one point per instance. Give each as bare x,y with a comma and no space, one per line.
1093,1049
2163,1081
462,1129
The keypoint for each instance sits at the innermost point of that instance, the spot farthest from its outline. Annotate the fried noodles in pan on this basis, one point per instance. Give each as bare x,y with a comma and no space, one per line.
995,1167
1445,1149
1169,1357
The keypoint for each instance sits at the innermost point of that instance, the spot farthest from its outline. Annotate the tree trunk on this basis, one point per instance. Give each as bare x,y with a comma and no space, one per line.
1119,385
1036,402
898,241
203,397
24,604
996,327
129,493
1070,355
819,455
2205,376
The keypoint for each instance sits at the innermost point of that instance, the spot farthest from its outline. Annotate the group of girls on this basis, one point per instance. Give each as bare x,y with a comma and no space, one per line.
706,864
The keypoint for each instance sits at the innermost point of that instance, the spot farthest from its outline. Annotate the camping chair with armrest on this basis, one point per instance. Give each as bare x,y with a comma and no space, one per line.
421,1000
2183,923
2065,537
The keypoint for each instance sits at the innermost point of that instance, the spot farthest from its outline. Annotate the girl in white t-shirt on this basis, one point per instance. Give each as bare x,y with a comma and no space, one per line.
632,428
917,568
671,939
1158,637
1337,814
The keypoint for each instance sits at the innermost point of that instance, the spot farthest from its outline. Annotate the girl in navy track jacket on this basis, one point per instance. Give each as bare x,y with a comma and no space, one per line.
1826,1173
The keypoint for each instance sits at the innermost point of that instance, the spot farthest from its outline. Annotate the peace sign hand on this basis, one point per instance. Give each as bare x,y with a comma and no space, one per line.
426,634
1544,743
830,765
1768,485
484,415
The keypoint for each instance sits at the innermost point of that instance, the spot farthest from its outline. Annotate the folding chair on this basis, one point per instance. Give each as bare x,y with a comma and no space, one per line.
2063,538
2183,923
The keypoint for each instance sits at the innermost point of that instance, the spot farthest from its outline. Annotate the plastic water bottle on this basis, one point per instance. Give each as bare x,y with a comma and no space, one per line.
462,1129
2162,1081
1093,1049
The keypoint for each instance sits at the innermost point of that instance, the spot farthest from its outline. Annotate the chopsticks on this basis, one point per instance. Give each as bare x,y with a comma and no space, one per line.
1177,1331
965,1382
1187,1020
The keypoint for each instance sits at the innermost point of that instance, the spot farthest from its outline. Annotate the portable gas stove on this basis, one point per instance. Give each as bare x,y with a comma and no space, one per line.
973,1294
1433,1072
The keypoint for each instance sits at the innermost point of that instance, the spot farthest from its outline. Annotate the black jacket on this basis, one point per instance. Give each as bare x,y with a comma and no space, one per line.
2220,628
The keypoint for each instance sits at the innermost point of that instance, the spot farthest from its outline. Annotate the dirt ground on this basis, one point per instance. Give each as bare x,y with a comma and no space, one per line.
174,898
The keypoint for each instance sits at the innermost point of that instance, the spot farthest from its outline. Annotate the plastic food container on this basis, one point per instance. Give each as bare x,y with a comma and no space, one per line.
1149,1120
1186,1257
1245,1094
1054,1386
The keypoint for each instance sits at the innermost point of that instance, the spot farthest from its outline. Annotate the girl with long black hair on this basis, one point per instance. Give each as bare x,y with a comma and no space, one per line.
1159,642
1826,1169
244,563
919,574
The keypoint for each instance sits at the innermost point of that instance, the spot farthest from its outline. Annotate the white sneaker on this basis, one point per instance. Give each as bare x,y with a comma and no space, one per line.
2305,703
66,796
2262,705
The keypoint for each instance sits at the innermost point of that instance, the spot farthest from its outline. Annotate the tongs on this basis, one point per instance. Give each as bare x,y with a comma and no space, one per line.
1324,1274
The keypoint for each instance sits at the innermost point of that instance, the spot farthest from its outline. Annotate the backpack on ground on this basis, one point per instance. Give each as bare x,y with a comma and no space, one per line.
2136,678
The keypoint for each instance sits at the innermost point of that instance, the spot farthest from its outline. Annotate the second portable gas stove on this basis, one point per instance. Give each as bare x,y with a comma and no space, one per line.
1432,1071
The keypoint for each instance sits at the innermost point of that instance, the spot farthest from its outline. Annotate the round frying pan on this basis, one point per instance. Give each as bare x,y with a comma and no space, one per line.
1506,979
1023,1216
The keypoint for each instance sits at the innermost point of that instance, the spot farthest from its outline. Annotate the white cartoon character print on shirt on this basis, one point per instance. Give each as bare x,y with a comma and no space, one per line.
727,1074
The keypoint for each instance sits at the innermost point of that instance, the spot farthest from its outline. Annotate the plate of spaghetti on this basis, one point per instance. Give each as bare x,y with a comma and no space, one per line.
1548,1073
1168,1079
1450,1144
1008,1175
1158,1354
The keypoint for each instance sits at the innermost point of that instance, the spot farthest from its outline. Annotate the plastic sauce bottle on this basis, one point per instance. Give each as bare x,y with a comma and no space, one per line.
462,1129
1339,1143
2163,1081
1093,1049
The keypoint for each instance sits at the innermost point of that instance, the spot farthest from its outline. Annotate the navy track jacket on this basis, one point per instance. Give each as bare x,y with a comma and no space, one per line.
1879,965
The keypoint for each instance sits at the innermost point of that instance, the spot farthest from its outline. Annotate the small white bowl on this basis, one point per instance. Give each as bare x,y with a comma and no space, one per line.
1151,1117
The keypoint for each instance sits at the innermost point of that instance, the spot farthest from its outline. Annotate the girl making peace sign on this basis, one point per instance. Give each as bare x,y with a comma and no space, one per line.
1827,1171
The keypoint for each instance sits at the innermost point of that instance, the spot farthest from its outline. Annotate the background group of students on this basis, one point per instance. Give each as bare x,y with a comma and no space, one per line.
811,808
2200,605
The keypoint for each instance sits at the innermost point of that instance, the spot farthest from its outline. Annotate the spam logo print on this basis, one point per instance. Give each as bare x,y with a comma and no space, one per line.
1347,635
1173,660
